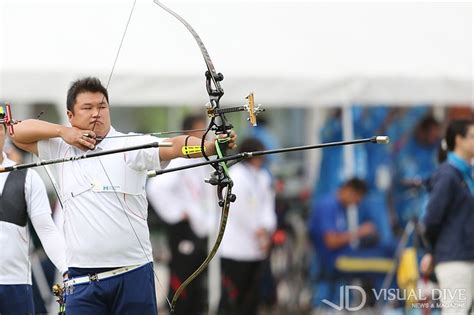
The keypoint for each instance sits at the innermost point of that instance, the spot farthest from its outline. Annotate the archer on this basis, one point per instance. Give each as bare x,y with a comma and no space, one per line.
108,249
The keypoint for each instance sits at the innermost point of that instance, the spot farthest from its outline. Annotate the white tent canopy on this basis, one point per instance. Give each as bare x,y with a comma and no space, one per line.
290,54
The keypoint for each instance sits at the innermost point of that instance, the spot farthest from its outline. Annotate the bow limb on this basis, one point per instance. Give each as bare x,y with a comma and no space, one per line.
210,256
222,127
222,180
214,76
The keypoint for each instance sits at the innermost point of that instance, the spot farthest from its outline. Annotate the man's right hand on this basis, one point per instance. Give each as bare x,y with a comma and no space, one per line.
366,229
82,139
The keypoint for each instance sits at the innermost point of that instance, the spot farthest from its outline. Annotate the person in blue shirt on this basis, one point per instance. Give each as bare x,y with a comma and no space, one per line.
412,166
328,227
377,120
334,242
449,221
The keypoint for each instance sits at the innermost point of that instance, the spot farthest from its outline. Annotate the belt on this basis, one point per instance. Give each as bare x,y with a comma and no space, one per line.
99,276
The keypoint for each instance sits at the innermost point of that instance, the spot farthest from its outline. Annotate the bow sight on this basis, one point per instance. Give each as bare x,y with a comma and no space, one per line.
249,107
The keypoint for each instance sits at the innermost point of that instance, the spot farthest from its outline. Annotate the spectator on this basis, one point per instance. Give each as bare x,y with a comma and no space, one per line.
184,202
331,237
247,240
413,164
449,220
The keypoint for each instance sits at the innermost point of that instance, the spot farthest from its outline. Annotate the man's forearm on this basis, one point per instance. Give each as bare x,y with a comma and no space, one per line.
33,130
336,240
179,142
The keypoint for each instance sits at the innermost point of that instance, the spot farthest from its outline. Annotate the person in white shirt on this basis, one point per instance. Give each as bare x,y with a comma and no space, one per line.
188,205
247,239
108,252
23,196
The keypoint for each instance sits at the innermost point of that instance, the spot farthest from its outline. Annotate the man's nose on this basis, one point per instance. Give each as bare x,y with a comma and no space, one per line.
96,112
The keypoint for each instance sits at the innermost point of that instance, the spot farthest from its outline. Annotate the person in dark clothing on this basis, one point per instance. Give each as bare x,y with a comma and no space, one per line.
449,221
252,224
186,204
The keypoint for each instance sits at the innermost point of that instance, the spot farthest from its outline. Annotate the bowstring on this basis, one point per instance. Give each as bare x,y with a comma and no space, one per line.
116,59
149,259
100,161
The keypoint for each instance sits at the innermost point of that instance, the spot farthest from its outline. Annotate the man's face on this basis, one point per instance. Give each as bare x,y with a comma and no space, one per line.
466,144
430,136
89,108
355,196
351,196
434,135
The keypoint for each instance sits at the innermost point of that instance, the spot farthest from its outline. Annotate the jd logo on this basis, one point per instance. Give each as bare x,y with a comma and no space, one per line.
344,294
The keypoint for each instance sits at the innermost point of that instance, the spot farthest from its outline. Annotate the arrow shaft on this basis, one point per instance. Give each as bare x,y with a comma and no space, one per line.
83,156
246,155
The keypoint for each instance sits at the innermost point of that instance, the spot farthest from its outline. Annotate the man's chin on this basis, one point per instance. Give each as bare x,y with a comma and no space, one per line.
101,133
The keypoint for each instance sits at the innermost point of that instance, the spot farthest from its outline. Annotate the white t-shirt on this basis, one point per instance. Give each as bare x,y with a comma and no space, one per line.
253,209
174,195
15,267
103,198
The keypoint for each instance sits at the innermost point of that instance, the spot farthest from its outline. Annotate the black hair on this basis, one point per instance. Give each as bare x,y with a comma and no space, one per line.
426,123
251,144
190,120
89,84
357,184
457,128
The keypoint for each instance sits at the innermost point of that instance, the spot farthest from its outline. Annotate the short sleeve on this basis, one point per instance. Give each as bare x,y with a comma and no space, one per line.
145,159
323,220
327,218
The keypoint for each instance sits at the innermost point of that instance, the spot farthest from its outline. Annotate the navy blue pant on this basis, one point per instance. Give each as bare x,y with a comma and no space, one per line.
16,299
131,293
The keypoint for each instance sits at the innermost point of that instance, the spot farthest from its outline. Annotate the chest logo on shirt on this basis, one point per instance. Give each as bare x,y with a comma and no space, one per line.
98,186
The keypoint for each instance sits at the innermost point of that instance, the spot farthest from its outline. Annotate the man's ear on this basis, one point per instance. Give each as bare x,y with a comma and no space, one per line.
69,115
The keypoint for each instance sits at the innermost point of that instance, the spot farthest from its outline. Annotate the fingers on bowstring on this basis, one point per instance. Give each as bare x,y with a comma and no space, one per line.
89,134
87,143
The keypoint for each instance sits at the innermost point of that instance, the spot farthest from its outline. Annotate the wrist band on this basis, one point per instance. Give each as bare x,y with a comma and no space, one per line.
193,149
185,146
